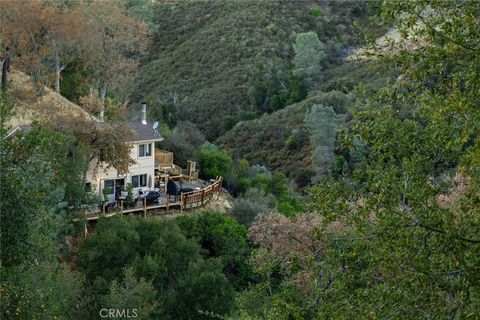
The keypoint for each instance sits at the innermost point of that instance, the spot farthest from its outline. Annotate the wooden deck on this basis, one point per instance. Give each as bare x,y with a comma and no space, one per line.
185,201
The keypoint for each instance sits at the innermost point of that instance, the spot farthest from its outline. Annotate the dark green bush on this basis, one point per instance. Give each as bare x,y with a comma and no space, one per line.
213,162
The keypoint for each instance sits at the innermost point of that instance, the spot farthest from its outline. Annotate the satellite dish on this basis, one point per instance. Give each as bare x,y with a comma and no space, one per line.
155,125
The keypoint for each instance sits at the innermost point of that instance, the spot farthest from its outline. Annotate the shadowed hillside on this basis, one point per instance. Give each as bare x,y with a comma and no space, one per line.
208,56
280,140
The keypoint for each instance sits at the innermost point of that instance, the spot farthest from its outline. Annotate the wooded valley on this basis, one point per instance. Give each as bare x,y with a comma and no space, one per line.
346,133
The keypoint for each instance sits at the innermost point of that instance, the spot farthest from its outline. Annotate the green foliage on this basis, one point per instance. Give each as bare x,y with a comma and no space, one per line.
213,162
231,121
129,192
294,140
339,101
272,191
400,222
203,291
322,123
165,113
75,82
415,222
316,12
280,140
184,283
68,159
345,77
237,182
223,238
44,291
132,294
142,10
105,192
263,139
103,255
36,205
392,233
211,62
277,89
288,203
219,68
183,141
251,204
309,54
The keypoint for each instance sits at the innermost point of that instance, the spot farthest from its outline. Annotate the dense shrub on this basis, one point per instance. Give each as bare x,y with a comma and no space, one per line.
294,140
160,252
213,162
254,202
223,238
277,89
339,101
44,291
132,294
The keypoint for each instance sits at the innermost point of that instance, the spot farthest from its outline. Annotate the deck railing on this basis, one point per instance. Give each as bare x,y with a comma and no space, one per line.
188,200
200,197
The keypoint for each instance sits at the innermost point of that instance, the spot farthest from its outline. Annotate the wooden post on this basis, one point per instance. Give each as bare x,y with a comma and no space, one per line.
166,181
121,208
104,209
181,202
168,202
145,208
203,195
85,224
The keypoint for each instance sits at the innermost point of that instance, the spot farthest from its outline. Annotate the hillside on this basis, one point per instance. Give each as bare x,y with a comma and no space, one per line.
331,173
32,102
264,140
208,56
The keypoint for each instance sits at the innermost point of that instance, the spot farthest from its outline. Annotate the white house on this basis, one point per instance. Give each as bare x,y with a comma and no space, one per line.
141,174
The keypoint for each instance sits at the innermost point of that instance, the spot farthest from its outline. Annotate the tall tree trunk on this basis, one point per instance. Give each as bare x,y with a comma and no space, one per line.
58,67
57,79
103,93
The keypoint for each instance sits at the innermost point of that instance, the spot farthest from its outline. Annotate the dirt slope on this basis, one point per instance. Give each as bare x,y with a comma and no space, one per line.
30,106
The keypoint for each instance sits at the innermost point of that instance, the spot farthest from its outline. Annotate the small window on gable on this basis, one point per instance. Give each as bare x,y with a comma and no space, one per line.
145,150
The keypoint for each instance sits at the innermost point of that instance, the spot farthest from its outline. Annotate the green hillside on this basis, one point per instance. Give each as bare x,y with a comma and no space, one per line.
268,140
208,56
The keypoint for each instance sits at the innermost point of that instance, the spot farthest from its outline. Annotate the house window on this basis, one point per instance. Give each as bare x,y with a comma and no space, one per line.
139,181
145,150
110,186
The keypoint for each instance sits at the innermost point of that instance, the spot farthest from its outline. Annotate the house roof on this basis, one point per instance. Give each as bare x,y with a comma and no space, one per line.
141,132
144,132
